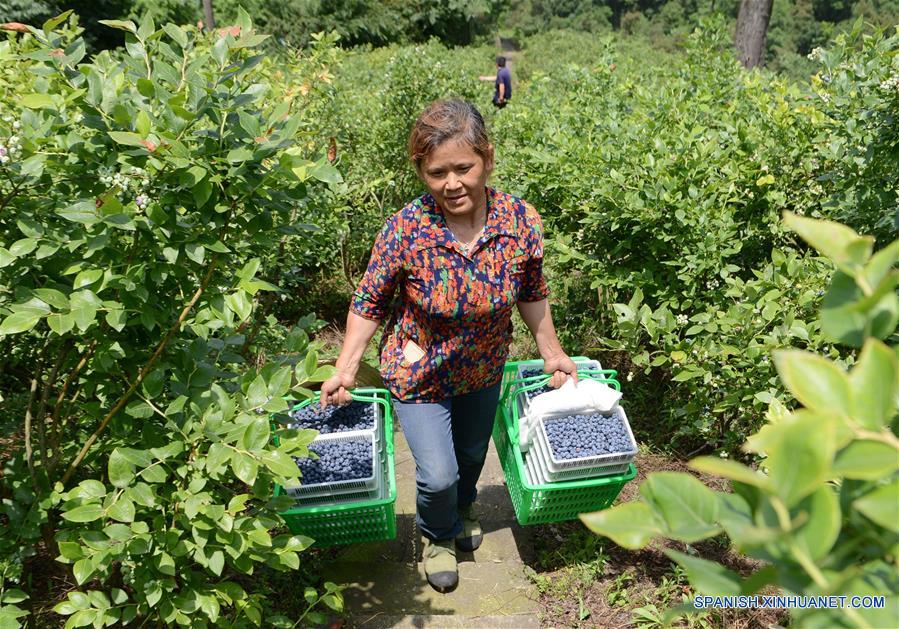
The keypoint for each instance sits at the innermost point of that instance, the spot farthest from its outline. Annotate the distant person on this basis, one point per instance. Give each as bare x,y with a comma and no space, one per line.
503,83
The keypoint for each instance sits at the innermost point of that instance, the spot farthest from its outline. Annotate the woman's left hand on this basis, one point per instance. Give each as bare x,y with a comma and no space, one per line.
561,367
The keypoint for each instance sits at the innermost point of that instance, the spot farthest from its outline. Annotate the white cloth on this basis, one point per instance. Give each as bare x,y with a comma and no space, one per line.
587,396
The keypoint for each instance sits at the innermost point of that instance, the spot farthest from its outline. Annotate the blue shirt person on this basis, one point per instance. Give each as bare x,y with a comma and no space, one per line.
502,84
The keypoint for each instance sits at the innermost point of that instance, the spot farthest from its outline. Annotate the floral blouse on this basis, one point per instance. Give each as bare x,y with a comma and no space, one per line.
455,305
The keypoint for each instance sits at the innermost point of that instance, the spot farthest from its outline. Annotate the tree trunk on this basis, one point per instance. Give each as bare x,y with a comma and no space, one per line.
210,18
752,29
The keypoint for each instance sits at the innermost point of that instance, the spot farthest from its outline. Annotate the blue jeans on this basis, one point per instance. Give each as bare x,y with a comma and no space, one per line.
449,441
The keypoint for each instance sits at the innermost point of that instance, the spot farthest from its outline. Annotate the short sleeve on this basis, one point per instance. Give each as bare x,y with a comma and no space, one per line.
533,286
374,293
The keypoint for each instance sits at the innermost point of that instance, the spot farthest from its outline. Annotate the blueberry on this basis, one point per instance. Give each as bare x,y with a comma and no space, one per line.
338,461
586,435
353,416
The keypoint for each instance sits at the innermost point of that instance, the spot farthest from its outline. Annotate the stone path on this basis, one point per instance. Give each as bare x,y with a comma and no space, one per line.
385,582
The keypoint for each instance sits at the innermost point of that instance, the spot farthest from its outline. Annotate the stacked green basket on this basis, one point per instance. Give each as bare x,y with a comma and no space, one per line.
550,502
349,518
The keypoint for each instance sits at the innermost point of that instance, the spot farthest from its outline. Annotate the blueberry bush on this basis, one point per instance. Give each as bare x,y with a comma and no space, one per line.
821,511
145,195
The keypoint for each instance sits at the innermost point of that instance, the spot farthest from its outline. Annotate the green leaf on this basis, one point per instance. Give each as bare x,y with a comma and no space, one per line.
866,459
882,506
19,322
881,263
86,278
311,361
23,247
52,23
736,518
241,154
848,317
176,33
842,245
815,381
82,212
166,564
249,270
36,101
257,434
706,576
280,463
70,550
120,470
631,525
325,172
217,456
116,318
244,467
61,323
217,562
239,304
730,470
687,509
84,308
91,489
53,297
142,123
127,138
147,27
874,381
279,383
122,25
84,513
820,531
333,601
13,596
257,394
122,510
153,592
797,464
202,192
195,251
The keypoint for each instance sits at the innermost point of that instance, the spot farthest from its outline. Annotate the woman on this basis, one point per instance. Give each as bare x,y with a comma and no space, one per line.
460,257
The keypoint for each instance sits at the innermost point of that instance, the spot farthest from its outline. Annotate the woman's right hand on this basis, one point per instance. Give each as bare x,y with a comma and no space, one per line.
336,389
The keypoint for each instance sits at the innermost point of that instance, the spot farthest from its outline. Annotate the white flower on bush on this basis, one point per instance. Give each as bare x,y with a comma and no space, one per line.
890,84
4,154
682,319
630,376
142,201
16,125
815,54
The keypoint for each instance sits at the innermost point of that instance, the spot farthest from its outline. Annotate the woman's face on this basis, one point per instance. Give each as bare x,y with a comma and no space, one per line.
455,176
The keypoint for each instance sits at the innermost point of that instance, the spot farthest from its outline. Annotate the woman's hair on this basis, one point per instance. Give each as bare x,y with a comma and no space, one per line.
447,120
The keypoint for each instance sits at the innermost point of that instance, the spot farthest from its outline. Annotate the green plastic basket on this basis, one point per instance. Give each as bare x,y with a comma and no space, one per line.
369,520
551,502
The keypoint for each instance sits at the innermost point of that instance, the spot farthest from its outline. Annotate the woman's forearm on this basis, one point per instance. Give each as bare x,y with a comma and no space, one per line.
537,317
359,331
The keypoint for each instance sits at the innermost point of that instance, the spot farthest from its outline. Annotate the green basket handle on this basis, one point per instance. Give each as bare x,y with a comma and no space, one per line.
364,394
535,382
